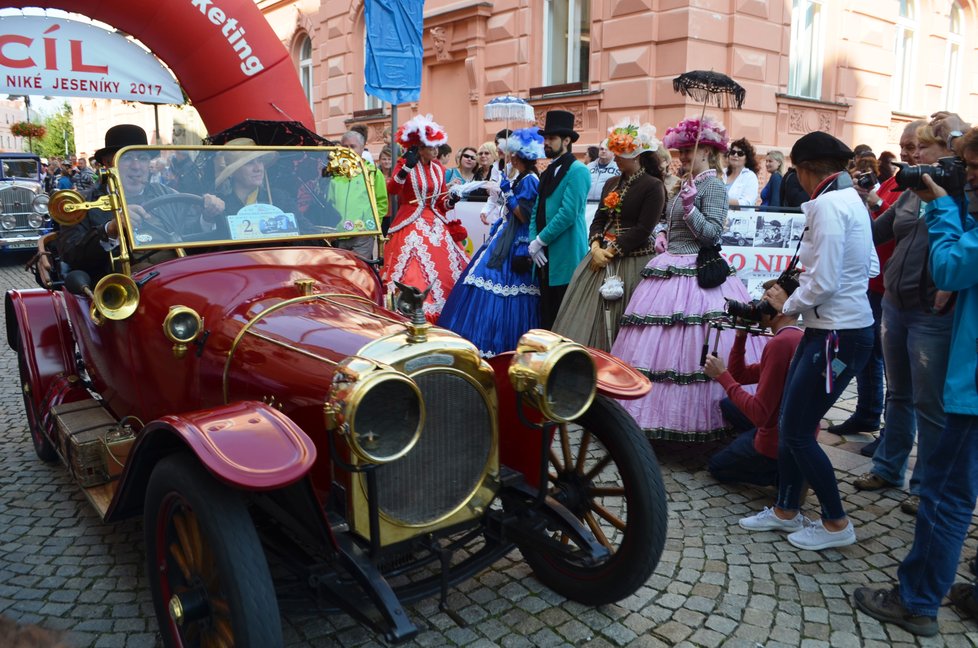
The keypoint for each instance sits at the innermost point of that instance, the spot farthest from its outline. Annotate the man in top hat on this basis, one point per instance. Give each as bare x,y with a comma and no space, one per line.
86,245
558,233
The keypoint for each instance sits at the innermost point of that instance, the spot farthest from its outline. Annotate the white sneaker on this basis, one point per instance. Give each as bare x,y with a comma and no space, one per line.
766,520
816,537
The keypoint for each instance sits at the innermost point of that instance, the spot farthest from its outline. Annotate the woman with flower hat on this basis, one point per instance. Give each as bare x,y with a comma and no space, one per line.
497,299
631,206
421,251
667,319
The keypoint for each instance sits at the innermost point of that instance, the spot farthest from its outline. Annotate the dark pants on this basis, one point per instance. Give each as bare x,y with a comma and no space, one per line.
739,462
550,299
803,405
869,381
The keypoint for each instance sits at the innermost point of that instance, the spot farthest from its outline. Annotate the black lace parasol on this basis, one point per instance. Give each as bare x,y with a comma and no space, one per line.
708,86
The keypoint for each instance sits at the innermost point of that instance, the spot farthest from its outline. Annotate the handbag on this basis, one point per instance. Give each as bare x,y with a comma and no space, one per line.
711,268
612,288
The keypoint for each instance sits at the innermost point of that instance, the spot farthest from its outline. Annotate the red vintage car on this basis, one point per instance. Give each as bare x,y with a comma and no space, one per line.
239,384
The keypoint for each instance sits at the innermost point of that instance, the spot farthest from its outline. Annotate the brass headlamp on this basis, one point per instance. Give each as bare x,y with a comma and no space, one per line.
556,375
379,410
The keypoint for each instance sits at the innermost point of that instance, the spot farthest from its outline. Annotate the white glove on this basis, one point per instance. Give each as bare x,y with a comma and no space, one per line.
536,252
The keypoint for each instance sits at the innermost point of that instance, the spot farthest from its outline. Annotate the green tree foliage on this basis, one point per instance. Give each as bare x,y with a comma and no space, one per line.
59,131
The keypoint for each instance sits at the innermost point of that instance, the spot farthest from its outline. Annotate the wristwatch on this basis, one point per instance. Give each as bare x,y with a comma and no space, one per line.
953,135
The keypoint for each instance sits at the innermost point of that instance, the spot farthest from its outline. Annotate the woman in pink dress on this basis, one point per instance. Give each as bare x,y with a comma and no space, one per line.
421,251
668,317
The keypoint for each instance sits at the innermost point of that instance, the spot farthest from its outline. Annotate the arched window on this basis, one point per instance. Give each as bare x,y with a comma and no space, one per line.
904,55
566,41
305,66
952,59
805,56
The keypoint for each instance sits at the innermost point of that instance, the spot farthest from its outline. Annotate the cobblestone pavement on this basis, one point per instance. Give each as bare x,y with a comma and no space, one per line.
716,585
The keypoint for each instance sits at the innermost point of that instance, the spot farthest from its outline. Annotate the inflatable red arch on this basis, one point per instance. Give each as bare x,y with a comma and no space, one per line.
223,52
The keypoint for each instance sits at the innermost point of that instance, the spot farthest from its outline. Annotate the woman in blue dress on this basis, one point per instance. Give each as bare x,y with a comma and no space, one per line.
497,298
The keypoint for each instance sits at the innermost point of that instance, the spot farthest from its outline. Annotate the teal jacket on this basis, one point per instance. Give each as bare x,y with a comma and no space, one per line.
565,234
954,266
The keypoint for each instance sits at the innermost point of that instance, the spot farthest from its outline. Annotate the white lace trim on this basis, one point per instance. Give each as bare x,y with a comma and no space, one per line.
500,289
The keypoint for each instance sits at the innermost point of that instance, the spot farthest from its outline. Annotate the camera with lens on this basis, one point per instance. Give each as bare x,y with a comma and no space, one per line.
867,181
756,309
948,174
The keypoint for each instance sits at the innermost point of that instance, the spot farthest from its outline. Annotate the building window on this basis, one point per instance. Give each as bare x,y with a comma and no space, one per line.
566,41
955,45
305,67
806,54
904,53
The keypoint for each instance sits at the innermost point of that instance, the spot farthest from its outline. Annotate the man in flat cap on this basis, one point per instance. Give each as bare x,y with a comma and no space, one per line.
558,233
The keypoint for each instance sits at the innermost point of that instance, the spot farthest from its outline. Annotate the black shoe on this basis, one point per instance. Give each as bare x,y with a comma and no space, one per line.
962,596
869,449
852,427
885,605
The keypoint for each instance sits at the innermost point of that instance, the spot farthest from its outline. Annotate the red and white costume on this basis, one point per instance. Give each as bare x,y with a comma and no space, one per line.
421,252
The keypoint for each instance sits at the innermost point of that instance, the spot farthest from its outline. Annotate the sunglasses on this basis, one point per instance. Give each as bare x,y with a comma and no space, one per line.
468,156
735,153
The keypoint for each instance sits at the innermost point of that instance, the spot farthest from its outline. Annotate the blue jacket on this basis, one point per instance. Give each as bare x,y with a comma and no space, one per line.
954,266
566,232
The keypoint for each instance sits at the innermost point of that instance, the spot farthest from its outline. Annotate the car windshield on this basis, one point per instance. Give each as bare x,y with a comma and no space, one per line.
178,197
20,168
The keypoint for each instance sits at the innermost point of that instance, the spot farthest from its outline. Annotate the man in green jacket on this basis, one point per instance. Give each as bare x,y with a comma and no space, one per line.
349,196
558,234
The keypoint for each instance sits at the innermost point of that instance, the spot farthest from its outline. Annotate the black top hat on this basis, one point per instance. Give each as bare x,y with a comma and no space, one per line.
560,122
119,137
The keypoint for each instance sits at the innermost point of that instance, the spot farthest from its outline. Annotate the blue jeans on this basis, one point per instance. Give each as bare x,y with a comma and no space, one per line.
947,498
739,462
916,346
803,405
737,419
869,381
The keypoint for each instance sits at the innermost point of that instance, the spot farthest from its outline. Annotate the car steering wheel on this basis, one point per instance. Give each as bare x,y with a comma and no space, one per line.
157,228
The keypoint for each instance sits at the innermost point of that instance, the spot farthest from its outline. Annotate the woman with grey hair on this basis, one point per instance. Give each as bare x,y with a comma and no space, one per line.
771,193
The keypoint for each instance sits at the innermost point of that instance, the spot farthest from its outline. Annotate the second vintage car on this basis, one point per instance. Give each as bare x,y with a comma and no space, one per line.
285,437
23,202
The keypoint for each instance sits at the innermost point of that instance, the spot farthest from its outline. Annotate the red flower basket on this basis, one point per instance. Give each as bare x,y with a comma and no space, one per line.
28,129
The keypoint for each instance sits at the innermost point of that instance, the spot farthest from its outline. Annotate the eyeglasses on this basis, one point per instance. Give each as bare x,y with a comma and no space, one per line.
468,156
735,153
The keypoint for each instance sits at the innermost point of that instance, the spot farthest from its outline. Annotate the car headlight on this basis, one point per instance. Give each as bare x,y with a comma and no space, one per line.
557,375
8,221
35,220
40,205
181,326
377,409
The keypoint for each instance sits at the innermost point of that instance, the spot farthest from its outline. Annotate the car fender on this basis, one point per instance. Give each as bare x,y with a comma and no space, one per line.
246,445
38,318
519,445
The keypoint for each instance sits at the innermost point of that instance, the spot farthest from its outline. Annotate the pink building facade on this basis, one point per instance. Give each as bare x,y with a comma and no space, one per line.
859,69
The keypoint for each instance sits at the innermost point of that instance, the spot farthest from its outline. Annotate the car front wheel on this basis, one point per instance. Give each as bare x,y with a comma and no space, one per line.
42,446
604,471
208,573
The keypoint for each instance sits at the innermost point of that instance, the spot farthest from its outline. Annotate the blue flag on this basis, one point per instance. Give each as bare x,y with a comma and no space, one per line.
394,49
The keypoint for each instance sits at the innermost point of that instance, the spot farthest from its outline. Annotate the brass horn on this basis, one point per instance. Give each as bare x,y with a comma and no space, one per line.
116,296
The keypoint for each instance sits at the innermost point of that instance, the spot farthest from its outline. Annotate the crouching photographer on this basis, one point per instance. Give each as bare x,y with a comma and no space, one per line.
752,457
839,258
949,485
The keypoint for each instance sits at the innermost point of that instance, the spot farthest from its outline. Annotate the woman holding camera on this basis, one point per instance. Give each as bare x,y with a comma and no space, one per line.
916,340
838,256
421,251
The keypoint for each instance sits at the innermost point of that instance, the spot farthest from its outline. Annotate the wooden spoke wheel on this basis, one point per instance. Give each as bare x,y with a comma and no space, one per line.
603,469
210,580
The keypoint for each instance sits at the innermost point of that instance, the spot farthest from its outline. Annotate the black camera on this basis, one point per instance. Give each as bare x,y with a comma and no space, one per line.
756,309
948,174
867,181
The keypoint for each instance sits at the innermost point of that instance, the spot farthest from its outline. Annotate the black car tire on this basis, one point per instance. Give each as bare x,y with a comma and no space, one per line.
635,557
42,446
187,511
